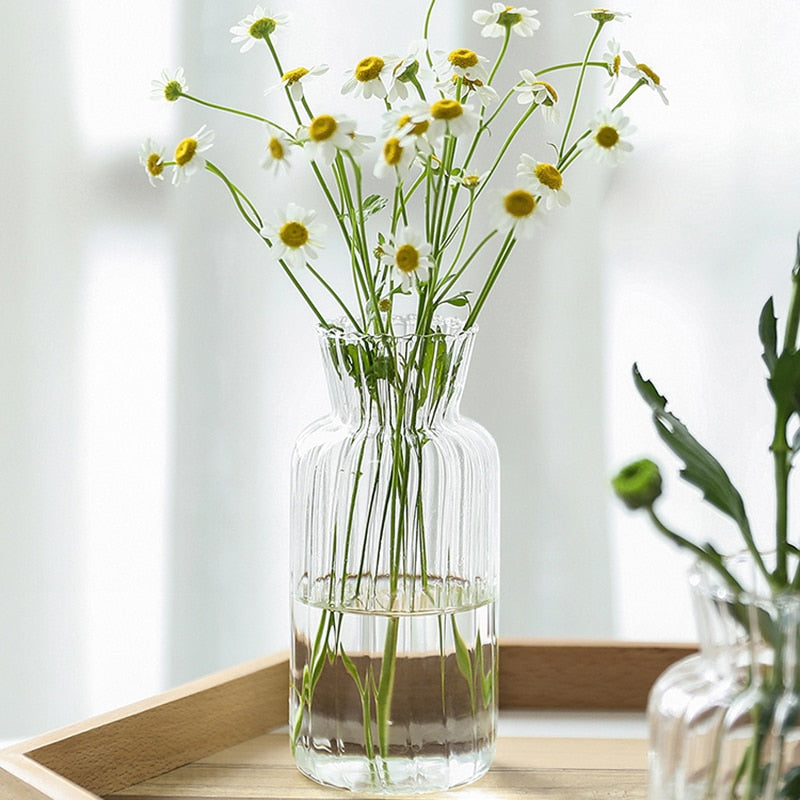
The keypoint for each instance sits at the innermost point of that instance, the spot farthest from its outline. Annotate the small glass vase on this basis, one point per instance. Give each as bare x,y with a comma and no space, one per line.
394,569
724,724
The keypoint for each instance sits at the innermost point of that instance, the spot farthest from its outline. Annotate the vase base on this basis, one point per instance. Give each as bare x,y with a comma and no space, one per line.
394,775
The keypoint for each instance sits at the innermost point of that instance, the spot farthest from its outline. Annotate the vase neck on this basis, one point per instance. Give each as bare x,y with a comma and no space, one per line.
391,380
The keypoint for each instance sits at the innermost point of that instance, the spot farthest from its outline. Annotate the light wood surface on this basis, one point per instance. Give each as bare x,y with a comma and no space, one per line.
531,768
193,725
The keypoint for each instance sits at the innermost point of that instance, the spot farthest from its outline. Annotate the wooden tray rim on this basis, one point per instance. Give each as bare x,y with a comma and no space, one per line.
112,751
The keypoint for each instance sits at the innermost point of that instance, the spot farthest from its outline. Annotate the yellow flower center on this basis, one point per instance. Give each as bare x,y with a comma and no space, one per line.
463,58
155,166
392,152
322,127
407,258
616,64
276,148
294,75
446,109
369,68
520,203
552,93
549,176
418,128
607,136
185,151
650,74
293,234
262,28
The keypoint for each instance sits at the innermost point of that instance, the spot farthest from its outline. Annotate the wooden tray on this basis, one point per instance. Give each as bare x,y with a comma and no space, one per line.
216,737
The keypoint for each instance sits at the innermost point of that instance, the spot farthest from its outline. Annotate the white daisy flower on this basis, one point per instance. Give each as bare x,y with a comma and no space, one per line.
295,79
451,116
276,157
327,134
410,257
503,18
533,90
170,86
605,140
407,71
603,14
545,180
396,154
462,63
369,77
516,211
261,24
151,157
360,143
186,154
613,59
412,122
643,73
485,93
295,237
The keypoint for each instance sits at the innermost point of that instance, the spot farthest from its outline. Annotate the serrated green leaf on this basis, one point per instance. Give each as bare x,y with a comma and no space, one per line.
700,469
768,334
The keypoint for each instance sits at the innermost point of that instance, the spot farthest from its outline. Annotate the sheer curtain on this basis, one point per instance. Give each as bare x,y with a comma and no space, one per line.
155,370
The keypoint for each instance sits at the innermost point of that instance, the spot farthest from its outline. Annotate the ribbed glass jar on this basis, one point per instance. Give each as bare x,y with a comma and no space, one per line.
394,569
724,723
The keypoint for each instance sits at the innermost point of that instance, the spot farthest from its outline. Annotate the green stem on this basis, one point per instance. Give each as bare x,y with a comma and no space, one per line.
239,113
711,557
578,88
501,55
502,257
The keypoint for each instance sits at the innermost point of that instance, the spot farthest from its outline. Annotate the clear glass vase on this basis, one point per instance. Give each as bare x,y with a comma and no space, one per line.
724,723
394,569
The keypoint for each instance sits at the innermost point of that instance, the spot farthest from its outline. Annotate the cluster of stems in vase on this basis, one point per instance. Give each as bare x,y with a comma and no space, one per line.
432,221
639,484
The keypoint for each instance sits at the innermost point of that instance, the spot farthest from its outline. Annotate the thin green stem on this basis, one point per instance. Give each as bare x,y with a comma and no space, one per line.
494,274
501,55
578,88
237,112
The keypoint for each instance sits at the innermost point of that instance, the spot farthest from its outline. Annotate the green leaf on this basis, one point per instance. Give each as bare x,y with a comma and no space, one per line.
768,334
462,654
372,205
458,300
351,670
791,785
784,384
701,469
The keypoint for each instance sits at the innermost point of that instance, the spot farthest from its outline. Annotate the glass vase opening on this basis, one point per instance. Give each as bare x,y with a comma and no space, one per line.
394,555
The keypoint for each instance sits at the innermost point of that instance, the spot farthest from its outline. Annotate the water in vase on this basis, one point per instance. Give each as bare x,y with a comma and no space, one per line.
398,702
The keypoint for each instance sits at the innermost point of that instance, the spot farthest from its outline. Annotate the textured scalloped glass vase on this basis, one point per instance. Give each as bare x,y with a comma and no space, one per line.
724,723
394,569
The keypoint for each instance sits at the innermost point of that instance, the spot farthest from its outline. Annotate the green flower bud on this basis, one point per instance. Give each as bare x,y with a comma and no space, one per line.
639,484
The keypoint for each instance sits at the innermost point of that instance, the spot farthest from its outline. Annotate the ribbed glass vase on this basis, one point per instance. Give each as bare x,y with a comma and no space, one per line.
724,723
394,569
